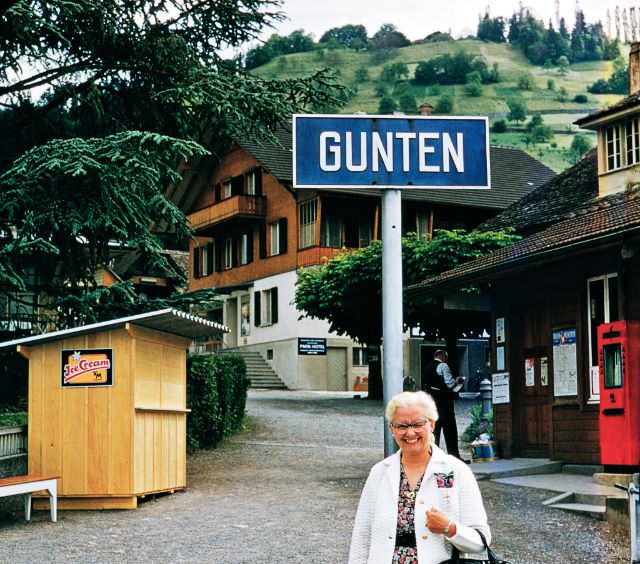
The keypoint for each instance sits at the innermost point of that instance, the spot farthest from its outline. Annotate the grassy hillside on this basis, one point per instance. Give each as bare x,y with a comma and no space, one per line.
493,102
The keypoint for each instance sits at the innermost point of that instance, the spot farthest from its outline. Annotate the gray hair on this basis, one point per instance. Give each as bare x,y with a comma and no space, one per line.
440,352
411,399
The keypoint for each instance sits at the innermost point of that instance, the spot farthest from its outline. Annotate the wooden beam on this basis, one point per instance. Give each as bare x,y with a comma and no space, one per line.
24,352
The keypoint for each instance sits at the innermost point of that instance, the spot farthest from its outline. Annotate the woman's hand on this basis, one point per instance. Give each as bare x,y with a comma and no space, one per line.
438,522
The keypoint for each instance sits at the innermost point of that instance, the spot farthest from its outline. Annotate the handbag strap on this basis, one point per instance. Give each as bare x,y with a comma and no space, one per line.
455,553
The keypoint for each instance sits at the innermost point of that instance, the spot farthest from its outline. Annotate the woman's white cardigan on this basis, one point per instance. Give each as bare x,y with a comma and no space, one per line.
374,533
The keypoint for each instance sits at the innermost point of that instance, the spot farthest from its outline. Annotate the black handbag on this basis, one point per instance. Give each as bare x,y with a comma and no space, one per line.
491,557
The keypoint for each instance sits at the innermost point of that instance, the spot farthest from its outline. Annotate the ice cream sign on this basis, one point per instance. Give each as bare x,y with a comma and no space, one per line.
86,368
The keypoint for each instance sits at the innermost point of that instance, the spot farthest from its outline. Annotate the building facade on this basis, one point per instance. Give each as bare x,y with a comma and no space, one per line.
254,231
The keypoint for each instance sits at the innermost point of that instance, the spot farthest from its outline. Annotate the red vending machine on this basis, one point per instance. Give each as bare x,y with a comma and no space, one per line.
619,360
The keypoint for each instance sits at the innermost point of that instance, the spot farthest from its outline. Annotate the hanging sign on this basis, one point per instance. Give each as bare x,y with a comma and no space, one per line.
336,151
86,368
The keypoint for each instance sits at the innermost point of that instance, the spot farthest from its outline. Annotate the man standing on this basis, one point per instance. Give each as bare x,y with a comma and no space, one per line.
438,381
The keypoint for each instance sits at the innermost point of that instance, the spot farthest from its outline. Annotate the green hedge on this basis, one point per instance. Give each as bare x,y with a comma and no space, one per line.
217,395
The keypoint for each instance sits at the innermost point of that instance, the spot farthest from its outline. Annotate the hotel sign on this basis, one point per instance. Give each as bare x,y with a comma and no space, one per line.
390,152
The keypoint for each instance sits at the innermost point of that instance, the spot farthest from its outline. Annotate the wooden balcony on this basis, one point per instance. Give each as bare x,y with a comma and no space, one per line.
317,255
242,206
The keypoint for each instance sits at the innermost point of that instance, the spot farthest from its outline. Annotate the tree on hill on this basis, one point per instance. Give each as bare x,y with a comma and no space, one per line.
387,105
296,42
347,290
517,110
491,29
617,83
444,105
125,90
580,144
407,103
346,35
388,37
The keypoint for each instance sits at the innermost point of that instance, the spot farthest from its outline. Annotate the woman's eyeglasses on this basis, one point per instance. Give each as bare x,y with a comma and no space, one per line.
402,428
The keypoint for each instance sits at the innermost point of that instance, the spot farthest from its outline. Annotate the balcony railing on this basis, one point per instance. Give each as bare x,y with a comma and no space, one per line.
317,255
241,206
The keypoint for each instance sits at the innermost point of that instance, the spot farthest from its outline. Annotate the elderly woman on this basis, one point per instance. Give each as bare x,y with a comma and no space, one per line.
419,501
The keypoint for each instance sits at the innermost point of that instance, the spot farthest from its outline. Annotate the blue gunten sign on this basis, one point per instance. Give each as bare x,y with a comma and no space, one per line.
390,152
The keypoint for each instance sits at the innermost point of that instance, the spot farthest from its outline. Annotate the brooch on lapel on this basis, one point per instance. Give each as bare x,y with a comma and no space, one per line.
444,479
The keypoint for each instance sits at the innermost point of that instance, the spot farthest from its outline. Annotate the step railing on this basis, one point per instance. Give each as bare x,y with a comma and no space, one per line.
13,441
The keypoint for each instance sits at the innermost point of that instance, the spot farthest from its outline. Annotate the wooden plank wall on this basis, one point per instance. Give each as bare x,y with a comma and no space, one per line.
160,418
82,434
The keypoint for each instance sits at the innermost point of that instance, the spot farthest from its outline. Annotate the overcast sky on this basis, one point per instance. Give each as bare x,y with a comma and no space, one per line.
418,18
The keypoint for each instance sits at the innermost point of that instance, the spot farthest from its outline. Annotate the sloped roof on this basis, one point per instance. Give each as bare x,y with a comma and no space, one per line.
610,217
514,174
167,320
572,189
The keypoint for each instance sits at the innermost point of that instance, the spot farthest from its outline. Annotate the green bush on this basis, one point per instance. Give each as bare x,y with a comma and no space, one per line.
499,126
12,417
580,99
216,394
478,425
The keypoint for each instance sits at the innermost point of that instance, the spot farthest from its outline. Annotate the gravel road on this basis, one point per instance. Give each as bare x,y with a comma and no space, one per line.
286,490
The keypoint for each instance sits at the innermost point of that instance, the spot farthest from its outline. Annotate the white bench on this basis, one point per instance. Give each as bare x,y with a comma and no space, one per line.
29,484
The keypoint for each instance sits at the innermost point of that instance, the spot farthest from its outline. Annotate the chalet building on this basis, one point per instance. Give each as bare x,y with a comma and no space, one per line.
254,231
577,267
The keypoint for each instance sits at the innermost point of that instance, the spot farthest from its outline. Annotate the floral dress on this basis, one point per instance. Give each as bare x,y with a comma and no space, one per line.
405,526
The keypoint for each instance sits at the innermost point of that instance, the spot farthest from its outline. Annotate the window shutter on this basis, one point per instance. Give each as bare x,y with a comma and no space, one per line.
263,241
274,305
234,251
250,246
196,262
283,236
211,255
256,308
218,254
218,193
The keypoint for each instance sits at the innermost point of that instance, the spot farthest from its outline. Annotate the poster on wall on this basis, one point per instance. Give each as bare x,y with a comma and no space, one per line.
499,358
565,364
500,336
500,388
245,313
530,372
544,371
86,368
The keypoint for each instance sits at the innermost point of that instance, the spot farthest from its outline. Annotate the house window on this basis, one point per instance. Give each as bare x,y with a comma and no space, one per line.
266,307
359,356
308,218
364,233
603,307
228,253
251,184
206,253
196,262
226,189
422,225
332,230
633,142
245,248
274,233
613,147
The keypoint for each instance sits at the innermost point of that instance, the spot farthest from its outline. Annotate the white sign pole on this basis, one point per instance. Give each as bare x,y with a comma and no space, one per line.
391,302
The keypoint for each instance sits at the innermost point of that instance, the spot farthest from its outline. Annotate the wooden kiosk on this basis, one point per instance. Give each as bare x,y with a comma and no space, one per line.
107,407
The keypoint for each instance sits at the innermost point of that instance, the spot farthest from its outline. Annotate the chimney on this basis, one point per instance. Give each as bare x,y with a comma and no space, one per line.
634,69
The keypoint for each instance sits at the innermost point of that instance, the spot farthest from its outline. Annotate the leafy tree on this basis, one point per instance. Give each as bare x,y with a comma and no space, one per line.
444,105
361,74
407,103
526,82
346,291
499,126
617,83
387,105
346,35
388,37
296,42
563,65
473,89
562,95
80,174
580,144
491,29
517,110
551,84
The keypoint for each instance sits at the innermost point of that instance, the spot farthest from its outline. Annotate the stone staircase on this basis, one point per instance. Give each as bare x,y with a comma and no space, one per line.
258,370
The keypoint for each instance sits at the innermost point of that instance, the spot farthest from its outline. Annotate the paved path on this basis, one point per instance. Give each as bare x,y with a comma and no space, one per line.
286,490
